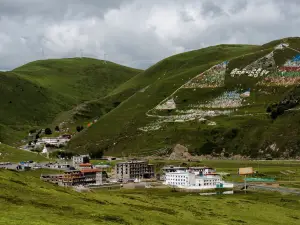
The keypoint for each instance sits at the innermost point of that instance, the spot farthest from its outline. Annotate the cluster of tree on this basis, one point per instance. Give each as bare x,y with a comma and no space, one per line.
62,154
95,151
290,101
79,128
48,131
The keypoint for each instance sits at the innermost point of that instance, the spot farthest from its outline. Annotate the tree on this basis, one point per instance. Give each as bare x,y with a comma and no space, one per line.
86,159
79,128
32,131
56,128
48,131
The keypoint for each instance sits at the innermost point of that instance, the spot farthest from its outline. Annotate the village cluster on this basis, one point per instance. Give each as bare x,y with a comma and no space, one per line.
136,172
82,174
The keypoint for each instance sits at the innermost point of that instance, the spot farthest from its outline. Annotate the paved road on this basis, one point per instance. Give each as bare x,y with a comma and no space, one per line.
268,188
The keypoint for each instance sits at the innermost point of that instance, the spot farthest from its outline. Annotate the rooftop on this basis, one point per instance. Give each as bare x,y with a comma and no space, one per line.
85,164
90,171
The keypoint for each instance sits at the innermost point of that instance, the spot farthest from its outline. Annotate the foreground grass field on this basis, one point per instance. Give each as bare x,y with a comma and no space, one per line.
10,154
24,199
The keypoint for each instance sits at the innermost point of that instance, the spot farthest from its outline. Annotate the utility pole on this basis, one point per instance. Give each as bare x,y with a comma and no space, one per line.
43,53
104,57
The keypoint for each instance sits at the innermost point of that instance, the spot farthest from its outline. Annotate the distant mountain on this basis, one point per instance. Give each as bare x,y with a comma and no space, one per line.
220,100
49,91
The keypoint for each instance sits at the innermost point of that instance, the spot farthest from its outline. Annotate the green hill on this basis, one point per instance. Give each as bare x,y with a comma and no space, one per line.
10,154
24,199
38,93
200,99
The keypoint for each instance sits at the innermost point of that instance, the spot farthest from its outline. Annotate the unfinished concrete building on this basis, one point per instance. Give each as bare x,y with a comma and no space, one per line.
80,159
134,170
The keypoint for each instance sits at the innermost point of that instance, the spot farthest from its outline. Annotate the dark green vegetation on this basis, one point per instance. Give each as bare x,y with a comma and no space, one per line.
52,91
249,131
26,199
10,154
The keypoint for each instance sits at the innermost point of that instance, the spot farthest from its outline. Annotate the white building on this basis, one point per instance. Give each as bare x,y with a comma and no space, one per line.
52,141
191,180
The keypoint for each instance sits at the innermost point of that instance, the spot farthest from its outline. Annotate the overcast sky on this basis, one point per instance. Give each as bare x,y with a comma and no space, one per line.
136,33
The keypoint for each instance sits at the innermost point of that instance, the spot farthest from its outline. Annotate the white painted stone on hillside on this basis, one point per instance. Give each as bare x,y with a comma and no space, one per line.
45,150
281,46
170,104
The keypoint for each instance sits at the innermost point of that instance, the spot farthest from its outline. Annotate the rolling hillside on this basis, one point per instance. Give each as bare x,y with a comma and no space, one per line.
10,154
39,93
226,99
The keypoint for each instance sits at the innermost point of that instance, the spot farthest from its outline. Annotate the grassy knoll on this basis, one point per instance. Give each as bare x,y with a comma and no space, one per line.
37,93
26,199
80,79
10,154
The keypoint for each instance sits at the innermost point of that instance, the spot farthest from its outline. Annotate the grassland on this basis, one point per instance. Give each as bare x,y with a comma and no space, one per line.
26,199
10,154
158,82
45,92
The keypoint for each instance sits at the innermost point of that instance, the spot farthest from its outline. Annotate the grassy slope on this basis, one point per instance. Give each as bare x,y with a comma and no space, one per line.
161,80
120,125
37,92
24,198
10,154
79,79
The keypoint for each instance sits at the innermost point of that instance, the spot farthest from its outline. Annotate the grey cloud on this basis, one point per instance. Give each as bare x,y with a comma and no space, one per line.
136,32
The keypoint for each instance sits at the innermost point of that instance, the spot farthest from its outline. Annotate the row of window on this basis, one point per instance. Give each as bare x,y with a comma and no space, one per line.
173,179
176,183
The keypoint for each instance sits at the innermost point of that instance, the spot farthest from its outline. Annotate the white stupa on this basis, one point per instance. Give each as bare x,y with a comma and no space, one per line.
45,150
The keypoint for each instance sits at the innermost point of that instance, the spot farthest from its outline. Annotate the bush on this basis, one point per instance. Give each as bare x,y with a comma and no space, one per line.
79,128
56,128
32,131
116,104
48,131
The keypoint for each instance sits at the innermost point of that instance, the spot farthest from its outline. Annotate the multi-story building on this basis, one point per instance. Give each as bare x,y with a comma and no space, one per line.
93,176
85,177
53,178
134,170
72,178
80,159
190,180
